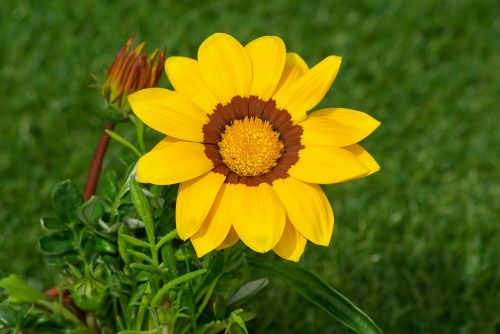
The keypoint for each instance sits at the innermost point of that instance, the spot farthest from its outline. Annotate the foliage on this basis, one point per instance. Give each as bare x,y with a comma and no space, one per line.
123,270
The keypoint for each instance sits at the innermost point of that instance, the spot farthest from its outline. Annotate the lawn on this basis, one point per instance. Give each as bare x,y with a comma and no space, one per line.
416,245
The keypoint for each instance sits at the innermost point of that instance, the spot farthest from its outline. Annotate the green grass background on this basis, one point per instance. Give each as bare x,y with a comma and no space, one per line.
416,245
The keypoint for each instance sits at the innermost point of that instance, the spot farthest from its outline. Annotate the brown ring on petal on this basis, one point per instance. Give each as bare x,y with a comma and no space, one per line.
245,107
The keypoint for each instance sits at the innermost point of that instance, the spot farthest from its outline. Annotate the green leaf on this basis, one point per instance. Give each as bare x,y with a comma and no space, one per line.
139,255
65,199
319,293
8,315
55,244
52,225
130,331
62,259
179,280
147,267
90,211
248,290
122,243
104,246
123,141
133,241
142,206
166,238
236,318
19,292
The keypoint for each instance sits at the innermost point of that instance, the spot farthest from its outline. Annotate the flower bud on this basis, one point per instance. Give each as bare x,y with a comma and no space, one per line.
88,293
131,70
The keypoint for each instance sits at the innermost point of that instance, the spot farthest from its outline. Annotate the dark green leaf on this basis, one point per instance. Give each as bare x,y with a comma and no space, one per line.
319,293
104,246
55,244
51,224
111,185
19,292
215,268
65,199
90,211
62,259
7,315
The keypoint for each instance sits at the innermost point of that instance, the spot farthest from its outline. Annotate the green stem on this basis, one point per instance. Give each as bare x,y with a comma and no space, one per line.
117,201
90,319
139,127
141,312
58,308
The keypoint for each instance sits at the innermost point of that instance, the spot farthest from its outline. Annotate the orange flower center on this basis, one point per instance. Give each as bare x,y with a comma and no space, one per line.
250,146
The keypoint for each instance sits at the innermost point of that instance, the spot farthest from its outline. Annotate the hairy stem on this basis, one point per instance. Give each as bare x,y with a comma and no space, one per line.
96,164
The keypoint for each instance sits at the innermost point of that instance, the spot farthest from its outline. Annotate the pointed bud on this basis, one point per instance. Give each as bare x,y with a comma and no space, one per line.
130,71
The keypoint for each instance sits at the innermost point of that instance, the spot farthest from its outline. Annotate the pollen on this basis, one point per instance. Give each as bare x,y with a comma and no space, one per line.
250,146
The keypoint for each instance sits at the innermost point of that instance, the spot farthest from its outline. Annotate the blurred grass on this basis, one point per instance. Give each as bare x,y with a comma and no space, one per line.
416,245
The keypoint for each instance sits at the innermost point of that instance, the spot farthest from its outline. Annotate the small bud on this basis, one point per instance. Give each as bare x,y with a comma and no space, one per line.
131,71
87,292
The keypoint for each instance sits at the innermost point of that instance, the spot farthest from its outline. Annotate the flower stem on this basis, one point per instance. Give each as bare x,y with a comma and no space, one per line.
96,164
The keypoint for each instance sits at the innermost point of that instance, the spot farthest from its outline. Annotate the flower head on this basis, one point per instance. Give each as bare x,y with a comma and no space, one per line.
247,155
131,71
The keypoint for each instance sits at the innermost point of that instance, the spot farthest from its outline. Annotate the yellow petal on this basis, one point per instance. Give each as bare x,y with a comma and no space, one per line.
230,240
366,159
267,54
257,216
169,112
307,208
225,67
173,161
185,76
309,90
194,200
337,127
292,243
216,226
295,67
326,164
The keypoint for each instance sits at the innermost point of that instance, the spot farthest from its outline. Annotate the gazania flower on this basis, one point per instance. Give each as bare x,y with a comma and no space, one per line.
131,70
247,155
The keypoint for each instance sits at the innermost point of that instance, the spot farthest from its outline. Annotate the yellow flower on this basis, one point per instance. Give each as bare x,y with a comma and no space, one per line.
247,155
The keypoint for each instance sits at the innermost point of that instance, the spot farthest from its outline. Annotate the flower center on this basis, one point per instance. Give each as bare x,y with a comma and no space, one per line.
250,146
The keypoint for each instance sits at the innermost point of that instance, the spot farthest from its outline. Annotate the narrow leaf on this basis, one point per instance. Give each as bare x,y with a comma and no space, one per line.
147,267
134,241
236,318
174,282
248,290
140,255
319,293
123,141
142,206
166,238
